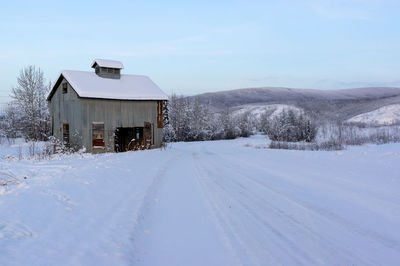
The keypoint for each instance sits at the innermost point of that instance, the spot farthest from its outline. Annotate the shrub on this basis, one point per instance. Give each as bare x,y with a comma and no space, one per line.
291,127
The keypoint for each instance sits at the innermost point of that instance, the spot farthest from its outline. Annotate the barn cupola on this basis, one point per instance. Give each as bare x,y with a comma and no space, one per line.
108,68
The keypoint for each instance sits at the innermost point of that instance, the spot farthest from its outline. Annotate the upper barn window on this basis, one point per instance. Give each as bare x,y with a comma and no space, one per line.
64,88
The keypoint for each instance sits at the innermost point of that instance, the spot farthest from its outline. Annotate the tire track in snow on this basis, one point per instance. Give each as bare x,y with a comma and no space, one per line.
246,211
229,234
336,184
150,193
177,229
388,242
329,245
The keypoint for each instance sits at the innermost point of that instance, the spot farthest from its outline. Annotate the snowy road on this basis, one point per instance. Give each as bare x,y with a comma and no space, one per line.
210,203
276,207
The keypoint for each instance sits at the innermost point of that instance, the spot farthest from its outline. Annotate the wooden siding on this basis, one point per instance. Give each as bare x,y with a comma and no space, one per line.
80,113
66,108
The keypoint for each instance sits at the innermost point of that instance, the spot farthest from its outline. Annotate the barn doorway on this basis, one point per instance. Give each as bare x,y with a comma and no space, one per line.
133,138
126,138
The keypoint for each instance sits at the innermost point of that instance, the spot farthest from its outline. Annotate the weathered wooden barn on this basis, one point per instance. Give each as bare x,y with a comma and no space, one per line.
105,110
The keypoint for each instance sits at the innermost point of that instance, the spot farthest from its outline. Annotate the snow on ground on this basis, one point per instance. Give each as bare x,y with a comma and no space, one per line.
273,109
204,203
19,148
386,115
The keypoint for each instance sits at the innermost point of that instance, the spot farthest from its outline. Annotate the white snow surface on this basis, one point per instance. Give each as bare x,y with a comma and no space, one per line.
386,115
128,87
108,63
230,202
19,148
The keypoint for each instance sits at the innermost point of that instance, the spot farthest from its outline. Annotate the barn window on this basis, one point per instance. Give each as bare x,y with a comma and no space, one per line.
159,114
98,134
64,88
66,134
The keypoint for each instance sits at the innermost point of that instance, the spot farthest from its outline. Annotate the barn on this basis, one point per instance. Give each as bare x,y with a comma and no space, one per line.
106,111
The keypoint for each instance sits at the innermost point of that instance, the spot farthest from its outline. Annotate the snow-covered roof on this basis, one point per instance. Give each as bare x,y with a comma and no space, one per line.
107,63
128,87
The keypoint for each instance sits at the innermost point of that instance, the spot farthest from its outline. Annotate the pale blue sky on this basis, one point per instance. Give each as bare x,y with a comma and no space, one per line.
193,47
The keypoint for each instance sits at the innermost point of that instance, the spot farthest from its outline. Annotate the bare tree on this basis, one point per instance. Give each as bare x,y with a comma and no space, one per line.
30,98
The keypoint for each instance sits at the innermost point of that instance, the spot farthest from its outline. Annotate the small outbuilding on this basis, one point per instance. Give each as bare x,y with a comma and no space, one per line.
105,110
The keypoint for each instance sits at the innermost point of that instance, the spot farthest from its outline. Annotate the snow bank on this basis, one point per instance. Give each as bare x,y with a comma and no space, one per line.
78,209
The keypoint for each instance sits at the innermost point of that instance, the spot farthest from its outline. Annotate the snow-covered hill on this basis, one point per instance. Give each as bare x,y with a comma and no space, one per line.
272,109
386,115
227,202
327,104
274,94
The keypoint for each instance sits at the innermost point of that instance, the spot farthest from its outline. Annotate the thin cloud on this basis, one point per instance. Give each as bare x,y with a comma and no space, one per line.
316,83
345,9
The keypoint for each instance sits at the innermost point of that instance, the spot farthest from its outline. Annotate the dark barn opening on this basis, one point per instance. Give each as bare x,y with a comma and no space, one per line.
133,138
128,138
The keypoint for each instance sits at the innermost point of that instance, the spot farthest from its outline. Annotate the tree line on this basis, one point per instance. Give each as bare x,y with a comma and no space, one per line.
189,120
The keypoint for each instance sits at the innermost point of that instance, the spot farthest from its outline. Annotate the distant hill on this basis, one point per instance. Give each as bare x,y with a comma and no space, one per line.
324,104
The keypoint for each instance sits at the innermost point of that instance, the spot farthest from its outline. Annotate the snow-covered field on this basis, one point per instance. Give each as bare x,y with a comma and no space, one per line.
386,115
204,203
